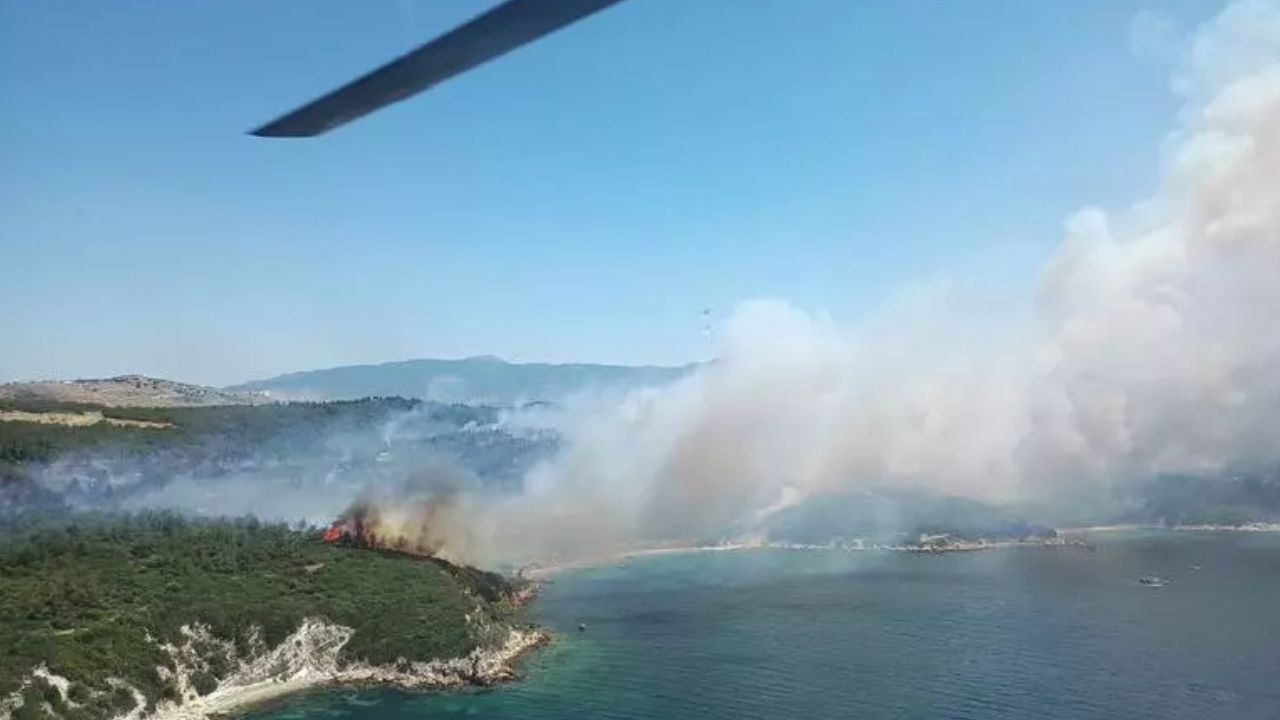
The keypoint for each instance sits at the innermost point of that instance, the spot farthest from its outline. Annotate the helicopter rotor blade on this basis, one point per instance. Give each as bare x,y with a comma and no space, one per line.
497,31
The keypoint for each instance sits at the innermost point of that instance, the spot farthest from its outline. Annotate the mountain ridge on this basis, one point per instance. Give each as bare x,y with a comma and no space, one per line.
483,378
130,390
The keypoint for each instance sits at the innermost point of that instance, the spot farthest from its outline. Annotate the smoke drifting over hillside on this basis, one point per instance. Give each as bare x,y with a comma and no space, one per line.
1156,349
1153,347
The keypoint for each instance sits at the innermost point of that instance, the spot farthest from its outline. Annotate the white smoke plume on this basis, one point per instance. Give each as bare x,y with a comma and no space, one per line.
1156,348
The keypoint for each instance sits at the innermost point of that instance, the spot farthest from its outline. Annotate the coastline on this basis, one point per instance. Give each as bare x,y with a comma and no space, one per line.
1066,537
309,660
1243,527
246,689
306,660
485,667
539,572
927,545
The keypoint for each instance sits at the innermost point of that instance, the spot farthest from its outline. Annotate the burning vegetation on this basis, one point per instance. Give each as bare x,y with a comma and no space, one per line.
427,527
422,526
238,580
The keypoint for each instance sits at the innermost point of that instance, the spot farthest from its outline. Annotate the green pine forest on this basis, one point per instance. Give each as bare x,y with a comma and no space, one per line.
82,598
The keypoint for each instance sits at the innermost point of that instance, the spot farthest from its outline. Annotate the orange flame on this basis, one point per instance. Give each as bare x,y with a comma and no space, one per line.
413,527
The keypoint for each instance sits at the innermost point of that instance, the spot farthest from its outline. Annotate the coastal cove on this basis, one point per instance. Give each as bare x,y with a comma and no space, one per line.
606,360
1053,632
157,617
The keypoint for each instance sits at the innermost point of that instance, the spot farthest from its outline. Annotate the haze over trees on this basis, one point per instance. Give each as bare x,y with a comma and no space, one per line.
202,454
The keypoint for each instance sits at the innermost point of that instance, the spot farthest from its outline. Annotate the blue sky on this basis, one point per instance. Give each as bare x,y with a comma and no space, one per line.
583,199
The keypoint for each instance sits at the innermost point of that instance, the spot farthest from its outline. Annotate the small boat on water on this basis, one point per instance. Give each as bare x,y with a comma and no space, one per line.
1152,581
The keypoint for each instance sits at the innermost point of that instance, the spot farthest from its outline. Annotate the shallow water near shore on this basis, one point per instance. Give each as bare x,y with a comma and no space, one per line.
1008,633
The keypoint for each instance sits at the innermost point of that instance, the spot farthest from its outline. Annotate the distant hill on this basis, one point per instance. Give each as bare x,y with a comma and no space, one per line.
1235,498
281,461
484,379
126,391
897,517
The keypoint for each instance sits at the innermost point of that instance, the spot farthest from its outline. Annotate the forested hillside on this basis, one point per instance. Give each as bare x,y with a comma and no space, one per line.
192,452
93,601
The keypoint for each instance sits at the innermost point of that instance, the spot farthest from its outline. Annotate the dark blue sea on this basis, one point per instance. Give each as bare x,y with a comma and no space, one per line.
1010,633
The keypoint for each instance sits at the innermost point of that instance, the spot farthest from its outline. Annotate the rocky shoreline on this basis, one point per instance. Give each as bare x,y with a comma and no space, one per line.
306,660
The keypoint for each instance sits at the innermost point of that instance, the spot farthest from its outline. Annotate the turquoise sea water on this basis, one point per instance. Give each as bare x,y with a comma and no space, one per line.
1010,633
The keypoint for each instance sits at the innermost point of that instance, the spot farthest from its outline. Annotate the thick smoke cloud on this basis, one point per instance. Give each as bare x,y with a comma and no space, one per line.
1151,345
1155,348
1163,325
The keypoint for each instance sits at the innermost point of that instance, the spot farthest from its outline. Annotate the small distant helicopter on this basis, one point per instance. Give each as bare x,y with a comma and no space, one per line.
493,33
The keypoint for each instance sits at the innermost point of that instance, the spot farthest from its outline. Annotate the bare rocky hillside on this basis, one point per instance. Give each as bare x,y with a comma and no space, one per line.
128,391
